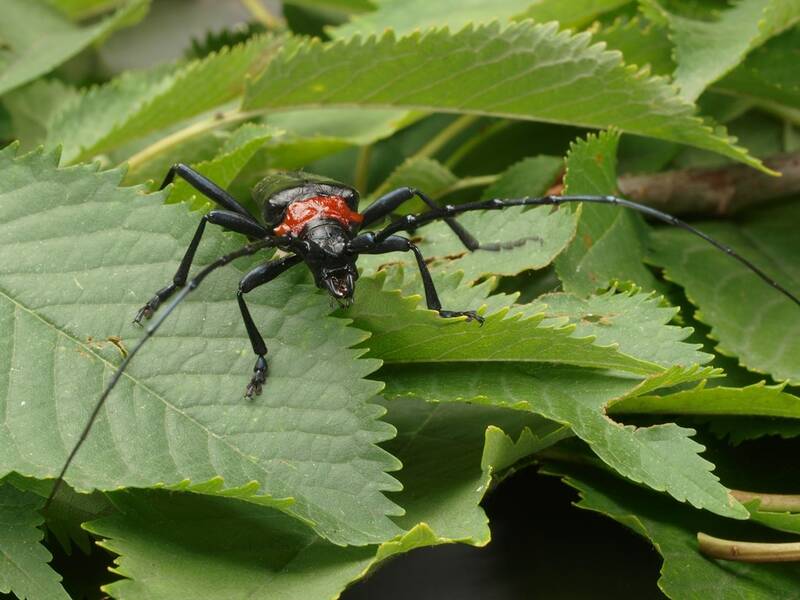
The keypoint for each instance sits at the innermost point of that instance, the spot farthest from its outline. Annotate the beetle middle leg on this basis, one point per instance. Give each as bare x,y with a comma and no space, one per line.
259,276
366,244
227,219
388,203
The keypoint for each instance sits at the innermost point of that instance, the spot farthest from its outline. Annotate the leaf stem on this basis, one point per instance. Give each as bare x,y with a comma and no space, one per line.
468,182
361,175
753,552
445,135
263,15
474,141
770,502
142,157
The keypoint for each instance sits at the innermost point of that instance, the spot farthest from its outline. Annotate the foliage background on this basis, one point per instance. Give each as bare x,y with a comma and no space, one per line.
383,427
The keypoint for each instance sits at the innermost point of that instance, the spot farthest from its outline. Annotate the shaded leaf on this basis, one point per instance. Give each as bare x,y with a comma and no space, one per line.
641,42
705,50
754,400
422,173
23,561
33,107
673,531
137,103
170,545
749,319
404,16
663,457
609,241
529,177
82,9
575,14
36,38
769,74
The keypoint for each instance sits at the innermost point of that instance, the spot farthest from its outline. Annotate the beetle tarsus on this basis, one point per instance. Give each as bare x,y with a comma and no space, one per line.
149,309
258,379
470,314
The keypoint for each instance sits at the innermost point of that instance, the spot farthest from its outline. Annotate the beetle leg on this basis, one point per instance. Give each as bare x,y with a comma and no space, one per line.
366,244
206,187
259,276
388,203
229,220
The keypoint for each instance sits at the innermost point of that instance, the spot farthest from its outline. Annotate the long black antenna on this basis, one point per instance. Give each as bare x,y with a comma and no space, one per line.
151,329
411,222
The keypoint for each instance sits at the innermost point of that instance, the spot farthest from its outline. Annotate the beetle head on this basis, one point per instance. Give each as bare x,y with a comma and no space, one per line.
330,261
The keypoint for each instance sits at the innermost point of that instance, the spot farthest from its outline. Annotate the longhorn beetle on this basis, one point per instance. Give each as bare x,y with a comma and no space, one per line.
315,220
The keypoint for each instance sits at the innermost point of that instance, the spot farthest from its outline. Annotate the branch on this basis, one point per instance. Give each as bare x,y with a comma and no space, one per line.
748,551
770,502
717,191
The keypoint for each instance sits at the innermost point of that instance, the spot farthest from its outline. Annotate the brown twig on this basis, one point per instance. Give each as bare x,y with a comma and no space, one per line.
770,502
748,551
716,191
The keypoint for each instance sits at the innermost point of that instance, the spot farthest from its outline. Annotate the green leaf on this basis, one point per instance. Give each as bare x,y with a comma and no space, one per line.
637,322
537,236
37,39
663,457
754,400
81,9
421,337
88,255
67,511
347,6
768,75
23,562
450,453
137,103
641,42
673,531
422,173
529,177
522,71
749,319
33,107
782,521
706,50
517,363
356,126
609,242
169,545
188,546
404,16
575,14
740,429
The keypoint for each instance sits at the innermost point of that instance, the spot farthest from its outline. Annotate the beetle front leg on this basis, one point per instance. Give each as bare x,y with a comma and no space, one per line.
366,244
259,276
230,220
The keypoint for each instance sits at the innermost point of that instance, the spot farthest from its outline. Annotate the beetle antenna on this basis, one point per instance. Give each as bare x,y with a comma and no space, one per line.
411,222
151,329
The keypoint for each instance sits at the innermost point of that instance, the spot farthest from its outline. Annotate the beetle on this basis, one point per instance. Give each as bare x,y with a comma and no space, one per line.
315,220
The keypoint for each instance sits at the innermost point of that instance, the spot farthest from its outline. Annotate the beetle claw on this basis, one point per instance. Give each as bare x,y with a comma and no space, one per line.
470,314
258,379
